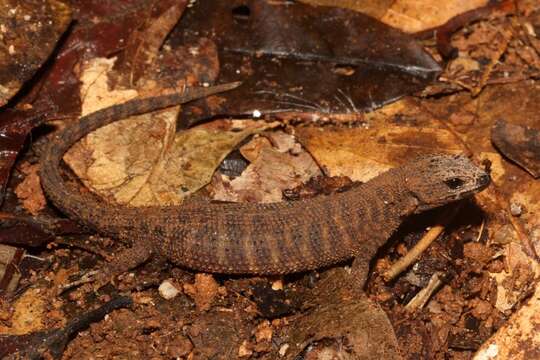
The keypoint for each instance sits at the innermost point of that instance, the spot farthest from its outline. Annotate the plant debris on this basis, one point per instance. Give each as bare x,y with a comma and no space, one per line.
334,92
29,31
520,144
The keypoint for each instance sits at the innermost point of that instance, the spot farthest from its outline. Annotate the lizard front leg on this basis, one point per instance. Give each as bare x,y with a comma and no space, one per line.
359,271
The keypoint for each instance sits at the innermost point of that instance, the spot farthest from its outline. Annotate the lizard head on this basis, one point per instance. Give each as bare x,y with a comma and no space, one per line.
440,179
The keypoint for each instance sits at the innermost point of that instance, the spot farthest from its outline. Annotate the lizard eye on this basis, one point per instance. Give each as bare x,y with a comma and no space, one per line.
454,183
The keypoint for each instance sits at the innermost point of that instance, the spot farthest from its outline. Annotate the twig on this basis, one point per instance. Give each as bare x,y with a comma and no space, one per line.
481,231
420,246
420,300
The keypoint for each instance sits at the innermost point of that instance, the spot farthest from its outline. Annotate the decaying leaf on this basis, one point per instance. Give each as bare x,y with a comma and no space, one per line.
29,30
344,315
142,161
389,138
520,272
519,144
294,57
144,44
272,170
518,338
29,190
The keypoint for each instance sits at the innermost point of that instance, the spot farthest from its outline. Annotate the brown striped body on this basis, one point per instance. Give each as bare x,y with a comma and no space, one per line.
278,238
259,238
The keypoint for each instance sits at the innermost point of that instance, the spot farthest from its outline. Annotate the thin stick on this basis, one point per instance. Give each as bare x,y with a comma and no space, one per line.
433,233
420,300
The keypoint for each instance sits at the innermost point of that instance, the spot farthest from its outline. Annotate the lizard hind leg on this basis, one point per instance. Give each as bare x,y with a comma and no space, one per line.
122,262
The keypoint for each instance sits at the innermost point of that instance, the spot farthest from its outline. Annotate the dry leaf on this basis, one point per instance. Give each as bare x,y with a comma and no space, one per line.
519,143
341,313
29,190
393,135
144,44
522,271
143,161
517,339
268,175
416,15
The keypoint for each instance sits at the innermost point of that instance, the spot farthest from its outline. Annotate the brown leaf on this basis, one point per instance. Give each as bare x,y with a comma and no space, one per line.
144,43
343,315
386,141
143,161
517,338
29,190
268,175
313,64
29,31
518,143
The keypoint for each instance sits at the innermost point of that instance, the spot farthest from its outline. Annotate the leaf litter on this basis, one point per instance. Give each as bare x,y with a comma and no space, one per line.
487,270
144,162
272,170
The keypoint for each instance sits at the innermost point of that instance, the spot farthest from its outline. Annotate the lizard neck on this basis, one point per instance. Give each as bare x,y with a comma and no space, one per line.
382,204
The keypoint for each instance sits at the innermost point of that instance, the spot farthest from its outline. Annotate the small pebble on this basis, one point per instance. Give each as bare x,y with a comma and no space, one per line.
515,209
245,349
167,290
277,285
283,349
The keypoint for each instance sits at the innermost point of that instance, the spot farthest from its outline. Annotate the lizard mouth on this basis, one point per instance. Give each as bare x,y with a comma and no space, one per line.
482,182
422,206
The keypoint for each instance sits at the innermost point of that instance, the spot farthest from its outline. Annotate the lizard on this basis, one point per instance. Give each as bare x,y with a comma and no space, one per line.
257,238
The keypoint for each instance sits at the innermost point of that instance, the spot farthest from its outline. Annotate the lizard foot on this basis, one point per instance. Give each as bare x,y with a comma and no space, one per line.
98,279
124,261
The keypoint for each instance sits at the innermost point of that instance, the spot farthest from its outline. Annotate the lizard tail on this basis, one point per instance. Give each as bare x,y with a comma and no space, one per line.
65,196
